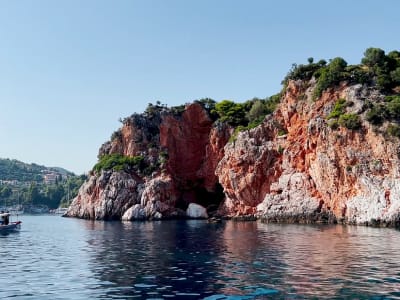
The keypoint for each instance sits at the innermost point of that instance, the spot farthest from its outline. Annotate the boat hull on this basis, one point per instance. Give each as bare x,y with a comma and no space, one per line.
10,227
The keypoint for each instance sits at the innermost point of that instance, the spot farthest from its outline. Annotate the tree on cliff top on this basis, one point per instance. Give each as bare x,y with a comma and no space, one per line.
384,69
231,112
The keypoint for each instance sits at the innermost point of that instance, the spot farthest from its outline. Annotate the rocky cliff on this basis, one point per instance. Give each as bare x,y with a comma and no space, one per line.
323,155
180,151
314,172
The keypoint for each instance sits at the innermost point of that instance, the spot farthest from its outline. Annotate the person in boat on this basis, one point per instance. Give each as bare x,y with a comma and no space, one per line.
5,218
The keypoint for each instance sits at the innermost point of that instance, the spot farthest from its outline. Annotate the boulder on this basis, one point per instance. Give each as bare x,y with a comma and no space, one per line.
196,211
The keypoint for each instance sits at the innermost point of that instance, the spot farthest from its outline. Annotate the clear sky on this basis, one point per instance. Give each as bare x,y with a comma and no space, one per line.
69,69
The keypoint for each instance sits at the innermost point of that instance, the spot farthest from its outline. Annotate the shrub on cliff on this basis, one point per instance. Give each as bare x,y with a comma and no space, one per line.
118,162
338,109
393,130
377,114
393,106
339,117
350,121
389,110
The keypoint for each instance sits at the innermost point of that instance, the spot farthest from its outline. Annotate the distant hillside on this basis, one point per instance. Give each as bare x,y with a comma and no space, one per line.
34,185
11,170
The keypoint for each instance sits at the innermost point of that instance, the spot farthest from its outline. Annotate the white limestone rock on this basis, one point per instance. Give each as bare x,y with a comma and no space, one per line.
196,211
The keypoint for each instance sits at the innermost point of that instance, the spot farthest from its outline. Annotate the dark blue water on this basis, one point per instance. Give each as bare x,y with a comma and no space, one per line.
59,258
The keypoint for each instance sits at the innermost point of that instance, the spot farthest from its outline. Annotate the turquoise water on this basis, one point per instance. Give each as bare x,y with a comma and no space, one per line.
60,258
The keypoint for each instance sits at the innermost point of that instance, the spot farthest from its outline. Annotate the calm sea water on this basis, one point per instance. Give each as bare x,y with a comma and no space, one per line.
59,258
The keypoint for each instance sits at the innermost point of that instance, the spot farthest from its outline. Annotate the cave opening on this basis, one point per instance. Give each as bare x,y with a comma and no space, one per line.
211,200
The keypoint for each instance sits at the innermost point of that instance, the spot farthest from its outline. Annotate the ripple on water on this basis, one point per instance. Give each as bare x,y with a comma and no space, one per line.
58,258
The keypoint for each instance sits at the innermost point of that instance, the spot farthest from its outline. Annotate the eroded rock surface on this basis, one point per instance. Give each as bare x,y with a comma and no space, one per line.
294,167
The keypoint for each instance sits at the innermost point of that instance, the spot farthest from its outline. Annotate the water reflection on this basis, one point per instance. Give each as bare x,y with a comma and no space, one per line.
161,258
338,261
251,260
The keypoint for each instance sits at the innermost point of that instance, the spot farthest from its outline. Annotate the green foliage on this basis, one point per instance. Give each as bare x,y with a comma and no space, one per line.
394,130
304,72
231,112
378,69
395,76
257,112
374,57
393,107
330,75
118,162
154,110
22,172
334,124
350,121
339,117
377,114
384,69
356,74
209,105
177,110
69,191
236,132
51,195
391,98
386,111
280,149
338,109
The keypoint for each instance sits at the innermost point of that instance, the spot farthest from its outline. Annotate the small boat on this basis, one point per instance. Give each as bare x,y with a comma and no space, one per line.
6,225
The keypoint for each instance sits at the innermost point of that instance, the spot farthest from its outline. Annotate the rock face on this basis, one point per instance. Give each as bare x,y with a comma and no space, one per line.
294,167
181,149
313,172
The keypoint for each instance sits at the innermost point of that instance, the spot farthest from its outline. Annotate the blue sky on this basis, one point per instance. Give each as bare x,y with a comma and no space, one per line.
70,69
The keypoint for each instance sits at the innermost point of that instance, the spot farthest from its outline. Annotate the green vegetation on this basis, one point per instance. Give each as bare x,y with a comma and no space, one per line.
304,72
393,130
389,110
119,162
350,121
339,109
11,169
245,115
377,114
231,112
339,117
376,68
384,69
209,105
393,106
24,184
330,75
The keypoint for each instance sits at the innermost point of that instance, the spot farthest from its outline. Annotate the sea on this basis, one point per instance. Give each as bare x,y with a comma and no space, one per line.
65,258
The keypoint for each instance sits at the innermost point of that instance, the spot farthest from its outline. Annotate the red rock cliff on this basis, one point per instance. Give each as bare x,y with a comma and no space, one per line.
314,172
185,149
295,166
